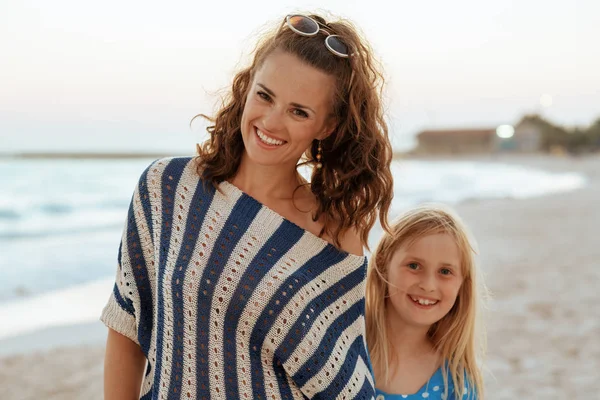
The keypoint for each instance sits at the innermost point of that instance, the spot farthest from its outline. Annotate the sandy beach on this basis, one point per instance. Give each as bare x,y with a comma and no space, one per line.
541,257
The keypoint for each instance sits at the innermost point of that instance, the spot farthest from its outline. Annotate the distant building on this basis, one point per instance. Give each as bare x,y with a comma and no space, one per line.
526,139
456,141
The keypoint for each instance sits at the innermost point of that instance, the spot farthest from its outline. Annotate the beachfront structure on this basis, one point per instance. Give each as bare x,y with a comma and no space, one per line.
525,137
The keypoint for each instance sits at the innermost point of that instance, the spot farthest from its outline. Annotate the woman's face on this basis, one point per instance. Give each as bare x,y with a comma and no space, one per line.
289,104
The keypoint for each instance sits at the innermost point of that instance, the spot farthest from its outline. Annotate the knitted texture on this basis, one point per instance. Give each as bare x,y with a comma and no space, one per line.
229,300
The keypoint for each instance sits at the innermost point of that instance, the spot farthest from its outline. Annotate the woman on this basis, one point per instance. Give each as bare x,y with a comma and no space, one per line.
237,278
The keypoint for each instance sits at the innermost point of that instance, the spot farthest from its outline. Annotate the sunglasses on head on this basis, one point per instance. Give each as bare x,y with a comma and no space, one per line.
306,26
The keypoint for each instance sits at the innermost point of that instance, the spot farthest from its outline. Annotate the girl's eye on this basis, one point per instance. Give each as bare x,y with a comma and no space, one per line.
264,96
446,271
413,266
300,113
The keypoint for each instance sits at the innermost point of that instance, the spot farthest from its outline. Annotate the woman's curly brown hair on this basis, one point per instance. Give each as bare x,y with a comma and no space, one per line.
354,184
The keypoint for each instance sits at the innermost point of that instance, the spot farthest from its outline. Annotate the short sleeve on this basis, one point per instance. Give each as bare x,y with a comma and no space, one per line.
468,392
130,303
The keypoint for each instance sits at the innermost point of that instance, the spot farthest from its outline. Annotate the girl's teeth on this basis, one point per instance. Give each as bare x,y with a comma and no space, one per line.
264,138
423,302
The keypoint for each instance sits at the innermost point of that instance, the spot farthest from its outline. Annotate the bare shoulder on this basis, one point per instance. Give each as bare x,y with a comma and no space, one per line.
351,242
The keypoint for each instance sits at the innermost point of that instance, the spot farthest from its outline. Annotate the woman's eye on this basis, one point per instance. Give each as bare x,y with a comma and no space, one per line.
446,271
300,113
413,266
264,96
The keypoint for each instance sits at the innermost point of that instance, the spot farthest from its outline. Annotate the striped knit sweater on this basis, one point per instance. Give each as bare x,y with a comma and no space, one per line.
229,300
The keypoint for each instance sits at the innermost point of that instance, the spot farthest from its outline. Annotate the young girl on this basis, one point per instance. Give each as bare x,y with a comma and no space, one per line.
237,279
422,309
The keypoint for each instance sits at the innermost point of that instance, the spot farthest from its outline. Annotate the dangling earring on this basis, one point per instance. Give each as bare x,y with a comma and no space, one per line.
319,156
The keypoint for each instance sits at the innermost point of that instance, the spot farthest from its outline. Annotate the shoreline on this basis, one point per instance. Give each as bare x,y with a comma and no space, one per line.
397,155
61,337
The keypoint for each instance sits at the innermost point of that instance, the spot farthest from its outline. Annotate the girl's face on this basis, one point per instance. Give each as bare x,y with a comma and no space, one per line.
424,280
289,104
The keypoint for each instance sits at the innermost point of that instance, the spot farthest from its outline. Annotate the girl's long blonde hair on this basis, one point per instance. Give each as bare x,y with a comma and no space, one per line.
459,336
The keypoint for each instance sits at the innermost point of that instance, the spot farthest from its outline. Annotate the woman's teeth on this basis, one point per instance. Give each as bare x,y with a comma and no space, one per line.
267,140
423,302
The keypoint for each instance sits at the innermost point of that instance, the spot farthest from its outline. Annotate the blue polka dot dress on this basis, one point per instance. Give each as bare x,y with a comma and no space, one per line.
432,390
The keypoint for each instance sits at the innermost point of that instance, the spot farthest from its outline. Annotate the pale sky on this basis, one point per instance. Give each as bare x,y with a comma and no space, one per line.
129,75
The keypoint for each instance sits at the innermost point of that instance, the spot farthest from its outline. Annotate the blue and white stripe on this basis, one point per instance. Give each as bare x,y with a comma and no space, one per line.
227,299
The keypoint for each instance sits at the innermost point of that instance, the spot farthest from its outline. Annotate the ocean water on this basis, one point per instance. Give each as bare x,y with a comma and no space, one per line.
61,223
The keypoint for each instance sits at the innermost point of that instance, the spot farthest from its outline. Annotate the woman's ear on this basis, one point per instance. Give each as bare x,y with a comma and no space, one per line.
328,129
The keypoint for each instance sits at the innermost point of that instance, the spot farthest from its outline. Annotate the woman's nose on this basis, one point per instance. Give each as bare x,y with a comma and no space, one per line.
273,119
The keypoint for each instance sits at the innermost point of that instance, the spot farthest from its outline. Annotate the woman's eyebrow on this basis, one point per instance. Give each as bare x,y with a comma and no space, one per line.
270,93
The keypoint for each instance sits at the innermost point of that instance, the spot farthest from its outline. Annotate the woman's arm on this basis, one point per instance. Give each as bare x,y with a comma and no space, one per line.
130,302
124,365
